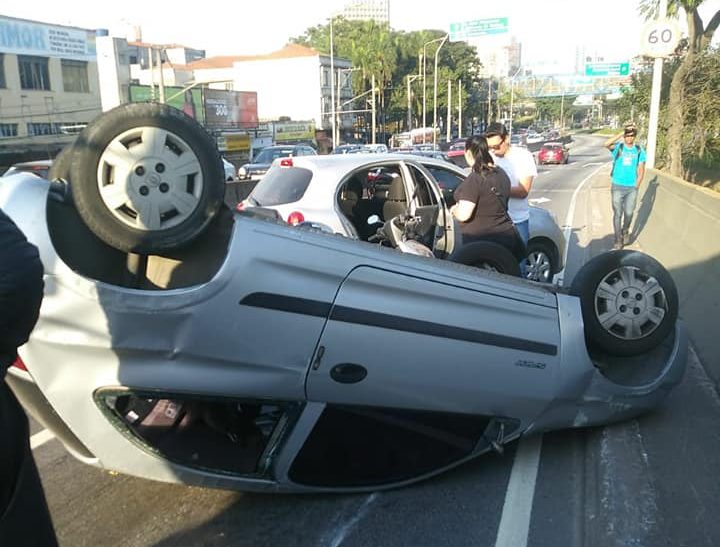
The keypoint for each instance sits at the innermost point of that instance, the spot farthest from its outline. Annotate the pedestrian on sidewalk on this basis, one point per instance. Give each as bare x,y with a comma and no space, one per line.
24,516
627,173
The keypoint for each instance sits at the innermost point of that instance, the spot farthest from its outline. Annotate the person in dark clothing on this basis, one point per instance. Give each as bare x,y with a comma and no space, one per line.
482,199
24,516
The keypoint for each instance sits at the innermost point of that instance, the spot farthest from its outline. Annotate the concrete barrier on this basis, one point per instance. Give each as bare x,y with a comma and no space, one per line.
679,224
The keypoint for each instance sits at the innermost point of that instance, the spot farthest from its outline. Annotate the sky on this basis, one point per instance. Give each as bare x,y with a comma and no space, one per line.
549,30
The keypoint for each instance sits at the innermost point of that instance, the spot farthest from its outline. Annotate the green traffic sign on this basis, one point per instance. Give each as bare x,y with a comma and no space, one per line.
607,69
479,27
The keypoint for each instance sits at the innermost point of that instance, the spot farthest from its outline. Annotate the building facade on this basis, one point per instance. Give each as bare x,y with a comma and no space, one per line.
48,86
367,10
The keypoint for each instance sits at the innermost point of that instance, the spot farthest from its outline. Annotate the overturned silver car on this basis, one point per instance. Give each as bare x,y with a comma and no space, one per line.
181,341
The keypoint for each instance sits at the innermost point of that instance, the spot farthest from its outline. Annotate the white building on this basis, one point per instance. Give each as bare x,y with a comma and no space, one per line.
293,82
367,10
48,84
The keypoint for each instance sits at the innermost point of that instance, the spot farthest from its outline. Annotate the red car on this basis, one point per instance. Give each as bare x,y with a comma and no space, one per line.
456,153
553,152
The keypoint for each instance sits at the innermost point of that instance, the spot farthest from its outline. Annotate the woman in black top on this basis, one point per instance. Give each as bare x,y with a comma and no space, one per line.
482,199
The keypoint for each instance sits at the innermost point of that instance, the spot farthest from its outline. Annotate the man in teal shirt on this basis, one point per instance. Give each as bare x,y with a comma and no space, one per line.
627,174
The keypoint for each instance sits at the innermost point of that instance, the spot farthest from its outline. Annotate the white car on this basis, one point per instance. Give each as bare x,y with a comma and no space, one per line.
343,191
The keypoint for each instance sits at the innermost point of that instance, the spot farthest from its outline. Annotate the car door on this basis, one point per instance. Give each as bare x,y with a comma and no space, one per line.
396,340
427,202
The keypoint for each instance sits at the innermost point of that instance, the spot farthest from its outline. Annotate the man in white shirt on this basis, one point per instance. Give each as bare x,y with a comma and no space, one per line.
520,166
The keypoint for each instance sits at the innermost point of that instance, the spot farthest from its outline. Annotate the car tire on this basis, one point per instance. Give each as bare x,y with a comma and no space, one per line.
487,255
541,261
60,168
146,178
629,302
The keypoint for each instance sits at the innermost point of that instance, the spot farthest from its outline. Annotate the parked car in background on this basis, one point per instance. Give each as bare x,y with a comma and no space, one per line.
456,153
229,170
375,148
36,167
553,152
261,163
343,192
348,149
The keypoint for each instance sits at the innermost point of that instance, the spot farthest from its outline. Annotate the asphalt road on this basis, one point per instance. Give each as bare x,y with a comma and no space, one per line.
642,483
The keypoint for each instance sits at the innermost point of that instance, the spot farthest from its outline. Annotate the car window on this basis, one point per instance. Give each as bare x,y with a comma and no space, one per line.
448,180
268,155
281,185
423,194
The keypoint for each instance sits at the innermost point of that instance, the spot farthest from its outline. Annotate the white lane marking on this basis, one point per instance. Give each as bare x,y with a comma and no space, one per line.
40,438
342,532
559,278
539,200
517,509
594,163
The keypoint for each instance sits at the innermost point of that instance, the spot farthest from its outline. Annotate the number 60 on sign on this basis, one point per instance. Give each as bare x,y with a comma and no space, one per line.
660,38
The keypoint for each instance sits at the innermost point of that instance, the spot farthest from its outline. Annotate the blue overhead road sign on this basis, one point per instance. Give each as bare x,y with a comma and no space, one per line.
479,27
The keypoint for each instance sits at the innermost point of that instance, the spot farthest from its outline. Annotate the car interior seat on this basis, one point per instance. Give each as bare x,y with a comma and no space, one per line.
396,200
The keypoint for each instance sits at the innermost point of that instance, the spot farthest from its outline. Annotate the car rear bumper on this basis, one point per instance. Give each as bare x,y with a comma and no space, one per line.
601,389
35,403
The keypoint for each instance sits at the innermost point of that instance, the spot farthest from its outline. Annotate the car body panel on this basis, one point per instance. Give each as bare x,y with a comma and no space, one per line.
432,335
319,202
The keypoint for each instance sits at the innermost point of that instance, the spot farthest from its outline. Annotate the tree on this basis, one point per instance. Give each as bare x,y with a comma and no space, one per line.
698,41
390,56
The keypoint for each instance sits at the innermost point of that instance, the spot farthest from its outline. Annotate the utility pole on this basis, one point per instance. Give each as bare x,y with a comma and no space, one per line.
162,76
332,86
449,113
373,109
435,89
655,98
459,109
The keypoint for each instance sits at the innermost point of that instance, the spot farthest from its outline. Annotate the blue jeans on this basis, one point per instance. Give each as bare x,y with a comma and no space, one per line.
523,229
624,199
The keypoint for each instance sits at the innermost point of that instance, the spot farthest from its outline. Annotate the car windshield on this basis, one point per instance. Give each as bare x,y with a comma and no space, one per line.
268,155
281,185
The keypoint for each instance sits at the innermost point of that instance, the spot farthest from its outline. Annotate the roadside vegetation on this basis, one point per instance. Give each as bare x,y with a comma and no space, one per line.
689,133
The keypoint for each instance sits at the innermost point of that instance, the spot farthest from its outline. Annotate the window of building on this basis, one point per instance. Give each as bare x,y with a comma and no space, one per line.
2,71
75,76
35,129
8,129
34,72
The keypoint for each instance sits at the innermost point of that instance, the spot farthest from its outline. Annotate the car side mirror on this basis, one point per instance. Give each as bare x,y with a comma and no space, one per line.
374,219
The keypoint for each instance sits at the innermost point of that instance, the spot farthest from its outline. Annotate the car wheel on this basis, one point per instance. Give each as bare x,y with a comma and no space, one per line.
629,302
146,178
541,262
487,256
60,168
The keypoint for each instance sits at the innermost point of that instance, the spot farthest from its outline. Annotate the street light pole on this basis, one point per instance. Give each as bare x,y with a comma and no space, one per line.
332,85
424,73
512,98
435,88
410,78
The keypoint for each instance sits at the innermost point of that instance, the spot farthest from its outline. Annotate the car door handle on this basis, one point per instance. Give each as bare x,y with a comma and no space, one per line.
348,373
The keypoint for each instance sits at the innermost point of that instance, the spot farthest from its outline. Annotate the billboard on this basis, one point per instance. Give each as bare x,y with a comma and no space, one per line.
189,101
231,109
294,131
29,38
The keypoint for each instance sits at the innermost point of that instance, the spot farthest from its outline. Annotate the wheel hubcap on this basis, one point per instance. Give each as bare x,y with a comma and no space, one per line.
150,179
538,266
630,304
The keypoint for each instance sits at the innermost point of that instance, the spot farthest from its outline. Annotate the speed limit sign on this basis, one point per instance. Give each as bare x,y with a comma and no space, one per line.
660,38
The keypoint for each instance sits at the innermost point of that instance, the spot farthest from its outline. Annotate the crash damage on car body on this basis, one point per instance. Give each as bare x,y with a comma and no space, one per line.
184,342
347,365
